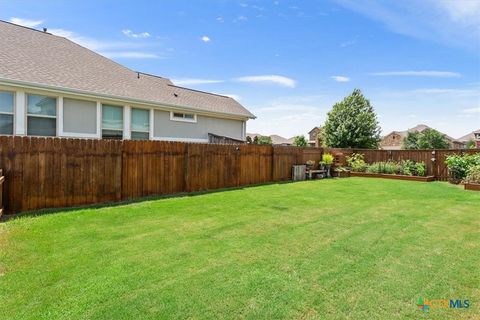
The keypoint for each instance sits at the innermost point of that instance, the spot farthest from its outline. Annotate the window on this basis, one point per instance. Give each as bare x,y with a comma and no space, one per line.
41,115
6,112
186,117
112,122
79,116
140,124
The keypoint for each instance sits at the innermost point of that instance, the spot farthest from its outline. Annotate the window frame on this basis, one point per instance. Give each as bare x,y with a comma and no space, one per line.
174,118
14,101
149,122
101,120
27,115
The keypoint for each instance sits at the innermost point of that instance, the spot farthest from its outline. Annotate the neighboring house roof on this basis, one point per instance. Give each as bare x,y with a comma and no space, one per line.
419,128
276,139
470,136
314,129
33,57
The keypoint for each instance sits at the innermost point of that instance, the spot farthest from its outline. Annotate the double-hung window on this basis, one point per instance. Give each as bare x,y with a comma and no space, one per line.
112,122
41,115
6,112
140,124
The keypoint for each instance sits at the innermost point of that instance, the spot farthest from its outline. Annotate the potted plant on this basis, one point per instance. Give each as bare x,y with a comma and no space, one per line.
327,159
310,164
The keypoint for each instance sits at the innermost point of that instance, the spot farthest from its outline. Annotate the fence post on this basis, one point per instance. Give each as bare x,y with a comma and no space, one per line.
434,164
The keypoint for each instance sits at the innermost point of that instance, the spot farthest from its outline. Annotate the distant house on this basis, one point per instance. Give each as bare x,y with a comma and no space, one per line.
313,137
472,136
51,86
276,139
394,140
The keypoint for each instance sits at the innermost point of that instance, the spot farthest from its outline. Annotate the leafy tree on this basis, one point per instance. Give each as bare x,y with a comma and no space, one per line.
352,123
249,140
470,144
410,142
300,141
432,139
427,139
262,140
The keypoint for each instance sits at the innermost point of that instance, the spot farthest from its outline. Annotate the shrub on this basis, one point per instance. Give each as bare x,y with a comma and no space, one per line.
473,175
421,169
406,167
356,162
327,158
458,165
384,167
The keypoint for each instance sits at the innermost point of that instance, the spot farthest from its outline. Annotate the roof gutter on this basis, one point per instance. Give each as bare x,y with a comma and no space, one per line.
34,85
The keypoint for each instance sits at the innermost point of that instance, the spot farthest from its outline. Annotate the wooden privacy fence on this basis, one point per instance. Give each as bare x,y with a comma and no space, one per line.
58,172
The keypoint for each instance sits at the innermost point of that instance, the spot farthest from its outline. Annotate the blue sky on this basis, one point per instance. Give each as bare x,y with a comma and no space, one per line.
289,61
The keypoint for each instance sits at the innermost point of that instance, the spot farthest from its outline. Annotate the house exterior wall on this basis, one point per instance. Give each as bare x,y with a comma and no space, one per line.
166,129
391,141
80,116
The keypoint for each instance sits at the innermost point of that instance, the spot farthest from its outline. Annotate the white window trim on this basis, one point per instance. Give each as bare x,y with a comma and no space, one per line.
56,116
172,118
101,120
149,131
63,133
13,111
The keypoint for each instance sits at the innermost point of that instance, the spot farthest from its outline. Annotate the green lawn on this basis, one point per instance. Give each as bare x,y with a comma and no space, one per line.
354,248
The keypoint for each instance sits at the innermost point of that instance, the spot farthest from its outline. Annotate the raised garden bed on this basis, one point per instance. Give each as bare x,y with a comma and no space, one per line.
392,176
472,186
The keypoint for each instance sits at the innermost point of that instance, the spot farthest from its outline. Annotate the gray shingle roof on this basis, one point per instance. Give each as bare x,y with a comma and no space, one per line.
28,55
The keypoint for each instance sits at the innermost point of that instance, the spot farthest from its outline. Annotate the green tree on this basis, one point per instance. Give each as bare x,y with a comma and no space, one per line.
432,139
352,123
470,144
300,141
410,142
262,140
249,140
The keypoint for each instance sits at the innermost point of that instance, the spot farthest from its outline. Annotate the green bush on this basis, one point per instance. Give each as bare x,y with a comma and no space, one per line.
421,169
458,165
473,175
356,162
406,167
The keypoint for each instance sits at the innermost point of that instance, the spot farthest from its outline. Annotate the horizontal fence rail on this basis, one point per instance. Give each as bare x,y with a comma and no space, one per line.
59,172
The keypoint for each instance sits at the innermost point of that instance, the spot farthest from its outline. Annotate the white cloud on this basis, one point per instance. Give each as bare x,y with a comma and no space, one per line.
275,79
25,22
131,34
452,22
340,78
205,39
220,19
130,55
472,110
192,81
439,74
240,19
